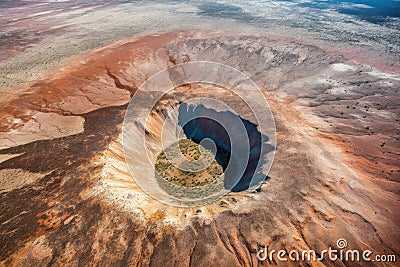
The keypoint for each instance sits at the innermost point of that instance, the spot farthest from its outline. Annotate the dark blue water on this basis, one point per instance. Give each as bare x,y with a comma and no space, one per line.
374,11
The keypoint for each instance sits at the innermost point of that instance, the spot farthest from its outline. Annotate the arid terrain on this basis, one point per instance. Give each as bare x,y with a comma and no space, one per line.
68,198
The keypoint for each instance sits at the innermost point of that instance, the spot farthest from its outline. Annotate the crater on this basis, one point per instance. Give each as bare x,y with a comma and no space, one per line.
196,115
200,123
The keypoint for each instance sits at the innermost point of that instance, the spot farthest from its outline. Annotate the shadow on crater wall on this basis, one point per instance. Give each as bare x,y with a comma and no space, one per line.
199,122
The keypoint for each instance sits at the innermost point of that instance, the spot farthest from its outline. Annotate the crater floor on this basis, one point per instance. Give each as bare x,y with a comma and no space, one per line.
199,167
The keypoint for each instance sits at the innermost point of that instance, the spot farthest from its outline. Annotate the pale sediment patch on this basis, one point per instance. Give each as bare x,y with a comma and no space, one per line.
41,126
11,179
384,75
7,157
341,67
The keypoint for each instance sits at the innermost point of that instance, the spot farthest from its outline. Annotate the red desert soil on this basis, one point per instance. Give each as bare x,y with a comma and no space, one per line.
67,197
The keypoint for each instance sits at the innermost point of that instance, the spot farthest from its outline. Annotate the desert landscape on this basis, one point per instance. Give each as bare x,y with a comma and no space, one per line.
76,185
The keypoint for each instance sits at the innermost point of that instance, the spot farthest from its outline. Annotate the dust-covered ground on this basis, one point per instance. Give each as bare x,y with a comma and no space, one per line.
36,36
329,72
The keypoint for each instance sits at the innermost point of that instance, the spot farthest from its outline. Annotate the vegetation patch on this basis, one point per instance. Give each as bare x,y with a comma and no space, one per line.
188,164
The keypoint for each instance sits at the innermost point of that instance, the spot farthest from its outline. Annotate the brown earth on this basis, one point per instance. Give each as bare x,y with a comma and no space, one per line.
67,198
